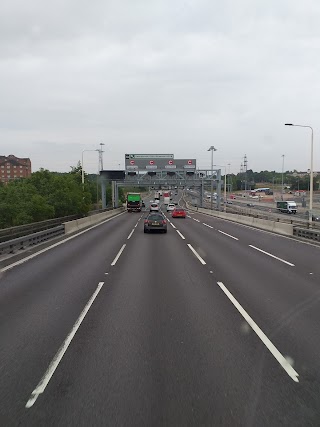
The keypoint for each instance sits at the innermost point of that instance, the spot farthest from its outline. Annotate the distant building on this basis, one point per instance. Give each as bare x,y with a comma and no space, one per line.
11,167
303,174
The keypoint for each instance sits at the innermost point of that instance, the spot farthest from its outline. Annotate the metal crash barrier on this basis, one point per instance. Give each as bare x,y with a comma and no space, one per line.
20,243
307,233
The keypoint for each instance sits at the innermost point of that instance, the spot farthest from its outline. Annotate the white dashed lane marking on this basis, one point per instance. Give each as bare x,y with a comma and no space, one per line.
273,350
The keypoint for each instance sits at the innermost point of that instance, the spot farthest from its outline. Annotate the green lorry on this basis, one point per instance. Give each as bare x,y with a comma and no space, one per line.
134,202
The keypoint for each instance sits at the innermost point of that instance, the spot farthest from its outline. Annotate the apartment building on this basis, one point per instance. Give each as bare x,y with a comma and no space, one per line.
12,167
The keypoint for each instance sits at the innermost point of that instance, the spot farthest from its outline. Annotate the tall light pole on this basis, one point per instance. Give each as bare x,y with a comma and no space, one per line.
311,170
82,168
212,149
100,156
282,176
225,187
100,168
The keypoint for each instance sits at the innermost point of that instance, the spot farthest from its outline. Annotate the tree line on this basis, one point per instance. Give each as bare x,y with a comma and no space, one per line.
46,195
251,180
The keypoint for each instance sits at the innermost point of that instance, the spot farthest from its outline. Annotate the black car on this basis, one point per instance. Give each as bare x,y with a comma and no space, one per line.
155,222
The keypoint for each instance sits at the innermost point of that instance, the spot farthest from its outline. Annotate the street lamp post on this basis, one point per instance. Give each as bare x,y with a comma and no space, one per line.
100,156
311,170
82,168
229,178
282,189
212,149
225,187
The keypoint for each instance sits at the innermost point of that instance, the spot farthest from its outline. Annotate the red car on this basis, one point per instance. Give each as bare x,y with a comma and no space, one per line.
178,213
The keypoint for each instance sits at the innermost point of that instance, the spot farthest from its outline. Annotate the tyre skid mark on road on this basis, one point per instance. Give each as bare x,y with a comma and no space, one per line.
40,388
270,346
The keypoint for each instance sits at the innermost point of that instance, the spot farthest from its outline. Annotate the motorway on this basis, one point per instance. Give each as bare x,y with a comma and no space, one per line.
211,324
257,207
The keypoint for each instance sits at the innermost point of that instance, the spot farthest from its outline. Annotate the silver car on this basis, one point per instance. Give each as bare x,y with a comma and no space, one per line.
154,207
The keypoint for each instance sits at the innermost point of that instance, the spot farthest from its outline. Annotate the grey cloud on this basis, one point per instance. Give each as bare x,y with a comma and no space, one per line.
159,76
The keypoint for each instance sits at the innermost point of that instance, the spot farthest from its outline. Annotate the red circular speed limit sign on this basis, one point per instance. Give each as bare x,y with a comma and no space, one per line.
170,162
131,162
151,162
189,162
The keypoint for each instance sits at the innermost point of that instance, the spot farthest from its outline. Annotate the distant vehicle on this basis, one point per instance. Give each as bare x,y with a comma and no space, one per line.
251,205
178,213
263,190
232,196
157,200
229,202
143,204
155,222
170,207
287,207
134,202
154,207
166,197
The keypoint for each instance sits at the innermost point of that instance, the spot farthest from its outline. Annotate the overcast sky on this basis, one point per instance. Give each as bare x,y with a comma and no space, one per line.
160,76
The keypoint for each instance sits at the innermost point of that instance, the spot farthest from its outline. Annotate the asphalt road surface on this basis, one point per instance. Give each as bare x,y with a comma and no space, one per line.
211,324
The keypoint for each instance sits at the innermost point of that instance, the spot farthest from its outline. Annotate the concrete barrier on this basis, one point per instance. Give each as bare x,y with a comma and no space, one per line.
264,224
79,224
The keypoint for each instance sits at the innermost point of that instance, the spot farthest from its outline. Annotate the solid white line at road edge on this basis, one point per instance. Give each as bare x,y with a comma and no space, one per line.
61,242
59,355
197,255
118,255
273,350
229,235
130,234
181,235
273,256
